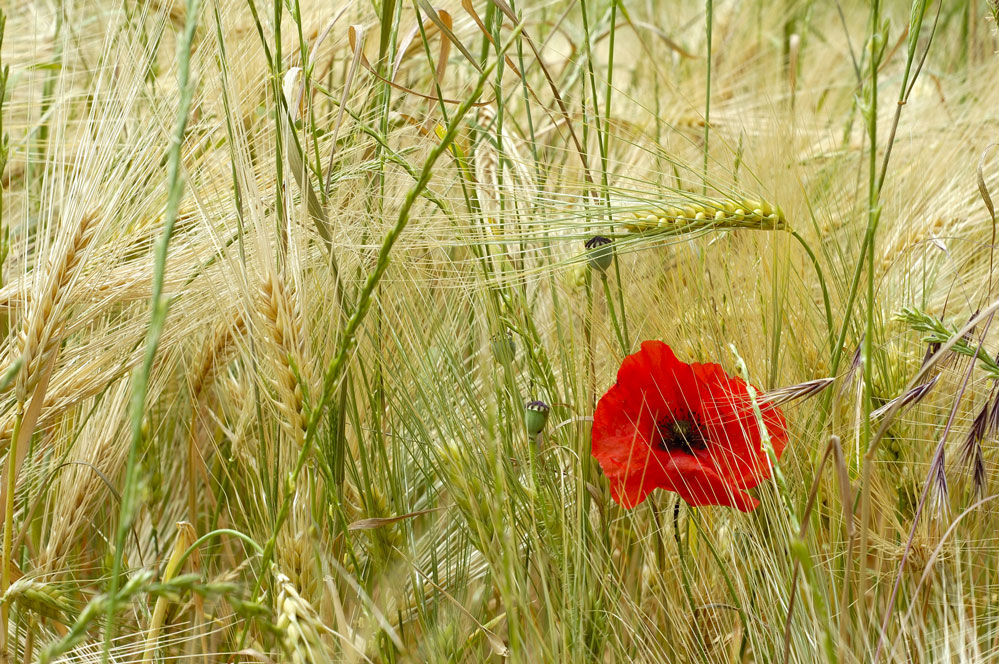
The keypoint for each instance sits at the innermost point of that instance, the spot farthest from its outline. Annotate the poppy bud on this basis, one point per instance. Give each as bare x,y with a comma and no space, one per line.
536,416
504,349
599,252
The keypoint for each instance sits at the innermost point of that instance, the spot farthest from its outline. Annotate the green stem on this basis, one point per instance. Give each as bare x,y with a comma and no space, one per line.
830,326
709,12
613,315
873,215
140,384
681,550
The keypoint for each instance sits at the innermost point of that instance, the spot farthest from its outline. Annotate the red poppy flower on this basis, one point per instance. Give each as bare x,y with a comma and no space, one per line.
688,428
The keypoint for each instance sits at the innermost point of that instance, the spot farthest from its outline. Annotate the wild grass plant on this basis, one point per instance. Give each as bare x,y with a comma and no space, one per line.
306,309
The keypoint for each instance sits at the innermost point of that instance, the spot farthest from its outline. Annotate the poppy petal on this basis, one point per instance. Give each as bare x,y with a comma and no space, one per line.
733,428
699,484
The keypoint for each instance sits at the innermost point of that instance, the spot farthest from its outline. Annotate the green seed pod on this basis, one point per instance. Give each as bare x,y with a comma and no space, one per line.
599,252
504,349
536,417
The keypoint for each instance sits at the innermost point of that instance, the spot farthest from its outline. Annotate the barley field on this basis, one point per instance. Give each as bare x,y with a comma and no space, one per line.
486,331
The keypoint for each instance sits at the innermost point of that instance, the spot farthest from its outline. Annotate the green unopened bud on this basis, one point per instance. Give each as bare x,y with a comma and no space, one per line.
599,252
536,417
504,349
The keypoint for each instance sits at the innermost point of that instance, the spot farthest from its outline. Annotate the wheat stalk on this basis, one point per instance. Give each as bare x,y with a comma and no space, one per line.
698,214
299,625
281,318
41,332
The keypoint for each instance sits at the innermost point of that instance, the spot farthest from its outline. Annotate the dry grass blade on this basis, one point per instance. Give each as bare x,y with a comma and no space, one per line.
378,522
983,188
984,191
185,537
443,18
443,22
293,91
347,89
356,36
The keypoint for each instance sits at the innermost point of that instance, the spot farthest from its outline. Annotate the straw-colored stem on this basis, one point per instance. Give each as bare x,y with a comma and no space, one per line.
8,526
185,535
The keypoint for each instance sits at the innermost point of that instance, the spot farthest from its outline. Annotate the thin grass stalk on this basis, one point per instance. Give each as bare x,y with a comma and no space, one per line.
158,305
25,421
876,182
867,364
4,154
609,299
603,135
708,20
8,526
681,554
822,284
608,94
906,85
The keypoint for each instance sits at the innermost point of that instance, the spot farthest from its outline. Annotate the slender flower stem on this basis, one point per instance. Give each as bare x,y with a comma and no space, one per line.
613,315
708,15
822,284
681,557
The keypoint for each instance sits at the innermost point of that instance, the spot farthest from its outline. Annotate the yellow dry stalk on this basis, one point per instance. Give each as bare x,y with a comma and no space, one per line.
185,537
709,213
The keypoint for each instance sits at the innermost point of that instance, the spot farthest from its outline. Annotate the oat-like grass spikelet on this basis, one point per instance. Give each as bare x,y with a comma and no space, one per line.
41,597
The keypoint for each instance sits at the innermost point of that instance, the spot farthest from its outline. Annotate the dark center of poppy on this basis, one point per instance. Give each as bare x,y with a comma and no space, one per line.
679,434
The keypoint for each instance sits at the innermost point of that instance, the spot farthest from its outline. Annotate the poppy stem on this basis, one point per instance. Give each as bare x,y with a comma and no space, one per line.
681,551
728,582
613,314
591,375
660,550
